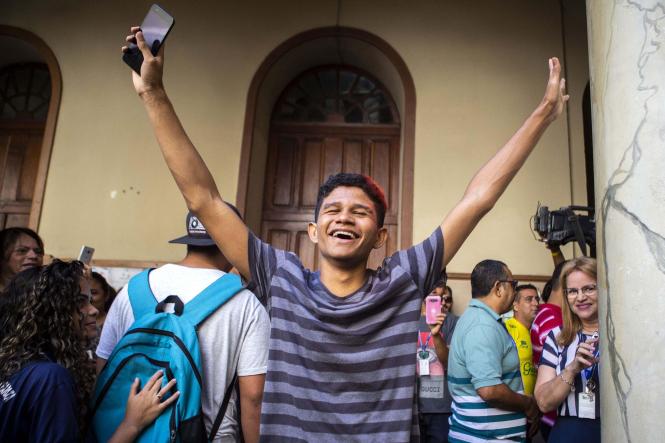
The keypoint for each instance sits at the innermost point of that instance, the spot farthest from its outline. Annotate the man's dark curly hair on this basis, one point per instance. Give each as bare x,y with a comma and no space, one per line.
47,325
364,182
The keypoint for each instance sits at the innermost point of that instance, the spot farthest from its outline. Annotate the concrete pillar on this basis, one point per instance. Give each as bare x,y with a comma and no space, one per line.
627,67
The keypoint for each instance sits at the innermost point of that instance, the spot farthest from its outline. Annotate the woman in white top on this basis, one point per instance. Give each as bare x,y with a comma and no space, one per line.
568,374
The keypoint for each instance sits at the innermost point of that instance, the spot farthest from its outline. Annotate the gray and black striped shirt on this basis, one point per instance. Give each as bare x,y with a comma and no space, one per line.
341,369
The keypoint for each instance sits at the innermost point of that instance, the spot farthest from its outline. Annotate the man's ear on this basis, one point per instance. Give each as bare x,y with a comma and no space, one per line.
496,289
313,232
381,237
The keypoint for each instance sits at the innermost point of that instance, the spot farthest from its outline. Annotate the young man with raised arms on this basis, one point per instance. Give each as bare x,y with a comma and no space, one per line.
341,347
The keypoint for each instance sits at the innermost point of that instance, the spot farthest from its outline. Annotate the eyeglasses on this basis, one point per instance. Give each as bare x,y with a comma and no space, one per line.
531,298
513,283
22,251
586,290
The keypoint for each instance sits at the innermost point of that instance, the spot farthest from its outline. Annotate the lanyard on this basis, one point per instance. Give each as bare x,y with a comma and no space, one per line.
423,346
588,373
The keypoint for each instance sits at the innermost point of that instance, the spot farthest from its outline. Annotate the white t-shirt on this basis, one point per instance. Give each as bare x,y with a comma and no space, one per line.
238,332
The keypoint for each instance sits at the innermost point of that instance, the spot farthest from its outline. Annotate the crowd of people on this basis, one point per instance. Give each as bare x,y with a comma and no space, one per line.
543,373
191,352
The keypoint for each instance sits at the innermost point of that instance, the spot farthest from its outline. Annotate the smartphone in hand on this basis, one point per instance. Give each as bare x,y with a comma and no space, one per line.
156,26
432,308
85,256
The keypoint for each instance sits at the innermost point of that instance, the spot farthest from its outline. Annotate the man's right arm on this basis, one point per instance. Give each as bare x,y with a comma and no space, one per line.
186,165
502,397
483,349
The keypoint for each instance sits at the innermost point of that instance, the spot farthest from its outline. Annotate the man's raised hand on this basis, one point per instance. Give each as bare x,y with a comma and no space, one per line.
555,94
150,79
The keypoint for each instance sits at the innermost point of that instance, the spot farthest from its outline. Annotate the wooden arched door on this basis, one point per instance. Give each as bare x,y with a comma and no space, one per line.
328,120
25,92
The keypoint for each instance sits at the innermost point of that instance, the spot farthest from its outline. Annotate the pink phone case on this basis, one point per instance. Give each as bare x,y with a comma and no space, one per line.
432,308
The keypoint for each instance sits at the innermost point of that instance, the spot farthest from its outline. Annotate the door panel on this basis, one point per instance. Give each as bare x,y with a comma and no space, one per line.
19,160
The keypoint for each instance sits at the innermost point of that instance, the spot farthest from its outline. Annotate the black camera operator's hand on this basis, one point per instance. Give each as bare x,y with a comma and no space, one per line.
557,255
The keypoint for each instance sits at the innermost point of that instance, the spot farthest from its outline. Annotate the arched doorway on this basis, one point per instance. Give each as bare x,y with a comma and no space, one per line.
330,119
333,46
30,86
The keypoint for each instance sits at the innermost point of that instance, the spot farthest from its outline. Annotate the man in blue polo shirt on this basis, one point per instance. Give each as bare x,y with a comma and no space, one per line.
484,367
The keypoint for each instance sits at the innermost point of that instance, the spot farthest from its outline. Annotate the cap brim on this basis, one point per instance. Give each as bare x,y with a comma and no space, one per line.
188,240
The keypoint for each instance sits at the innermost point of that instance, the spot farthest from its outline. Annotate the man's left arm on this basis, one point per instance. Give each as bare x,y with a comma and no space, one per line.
493,178
252,366
251,395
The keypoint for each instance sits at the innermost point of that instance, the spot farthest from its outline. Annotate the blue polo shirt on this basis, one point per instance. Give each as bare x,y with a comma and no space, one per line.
482,354
38,404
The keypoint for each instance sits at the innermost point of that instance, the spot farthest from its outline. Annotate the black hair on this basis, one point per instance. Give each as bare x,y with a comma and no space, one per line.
485,274
109,291
442,281
8,237
450,291
523,287
547,291
12,295
556,284
204,250
364,182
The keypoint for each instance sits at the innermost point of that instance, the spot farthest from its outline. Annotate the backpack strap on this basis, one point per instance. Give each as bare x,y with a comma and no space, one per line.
141,298
222,409
212,298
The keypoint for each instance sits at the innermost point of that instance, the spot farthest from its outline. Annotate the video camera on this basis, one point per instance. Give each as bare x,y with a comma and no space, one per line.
564,225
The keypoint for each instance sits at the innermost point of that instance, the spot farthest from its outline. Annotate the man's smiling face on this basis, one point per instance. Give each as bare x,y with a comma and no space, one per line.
347,230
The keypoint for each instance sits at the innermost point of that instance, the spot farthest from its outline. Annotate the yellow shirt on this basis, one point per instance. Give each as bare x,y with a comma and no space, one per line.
522,338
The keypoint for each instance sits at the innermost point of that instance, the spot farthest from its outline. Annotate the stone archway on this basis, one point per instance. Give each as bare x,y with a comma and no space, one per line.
332,45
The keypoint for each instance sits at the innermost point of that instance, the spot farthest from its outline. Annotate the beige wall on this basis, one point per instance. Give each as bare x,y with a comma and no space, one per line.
479,68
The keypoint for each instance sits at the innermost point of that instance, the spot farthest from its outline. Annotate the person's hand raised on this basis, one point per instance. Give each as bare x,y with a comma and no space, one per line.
152,68
555,93
436,327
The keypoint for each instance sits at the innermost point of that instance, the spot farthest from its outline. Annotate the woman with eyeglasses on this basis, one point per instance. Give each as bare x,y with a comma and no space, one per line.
45,374
568,378
21,249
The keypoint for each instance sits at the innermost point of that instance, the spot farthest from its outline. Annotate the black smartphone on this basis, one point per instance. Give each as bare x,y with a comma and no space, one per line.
156,26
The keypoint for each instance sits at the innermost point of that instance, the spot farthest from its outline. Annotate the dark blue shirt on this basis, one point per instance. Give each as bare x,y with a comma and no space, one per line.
38,404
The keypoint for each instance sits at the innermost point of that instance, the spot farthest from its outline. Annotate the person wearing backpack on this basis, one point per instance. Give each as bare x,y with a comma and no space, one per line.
232,341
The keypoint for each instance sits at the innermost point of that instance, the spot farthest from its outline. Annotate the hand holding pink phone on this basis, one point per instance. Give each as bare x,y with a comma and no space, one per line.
432,308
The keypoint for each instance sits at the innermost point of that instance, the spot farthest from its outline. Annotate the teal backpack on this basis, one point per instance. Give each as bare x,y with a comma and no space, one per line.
168,341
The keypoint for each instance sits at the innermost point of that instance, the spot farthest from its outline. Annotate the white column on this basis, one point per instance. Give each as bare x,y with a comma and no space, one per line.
627,67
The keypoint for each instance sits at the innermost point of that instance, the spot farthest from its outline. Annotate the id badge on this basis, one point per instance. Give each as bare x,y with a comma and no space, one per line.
587,405
424,365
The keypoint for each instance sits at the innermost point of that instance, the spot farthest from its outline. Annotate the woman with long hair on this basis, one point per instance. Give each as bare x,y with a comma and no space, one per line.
21,249
568,374
45,374
103,295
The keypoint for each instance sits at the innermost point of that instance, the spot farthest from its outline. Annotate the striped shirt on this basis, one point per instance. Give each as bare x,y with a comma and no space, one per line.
558,357
482,354
341,368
